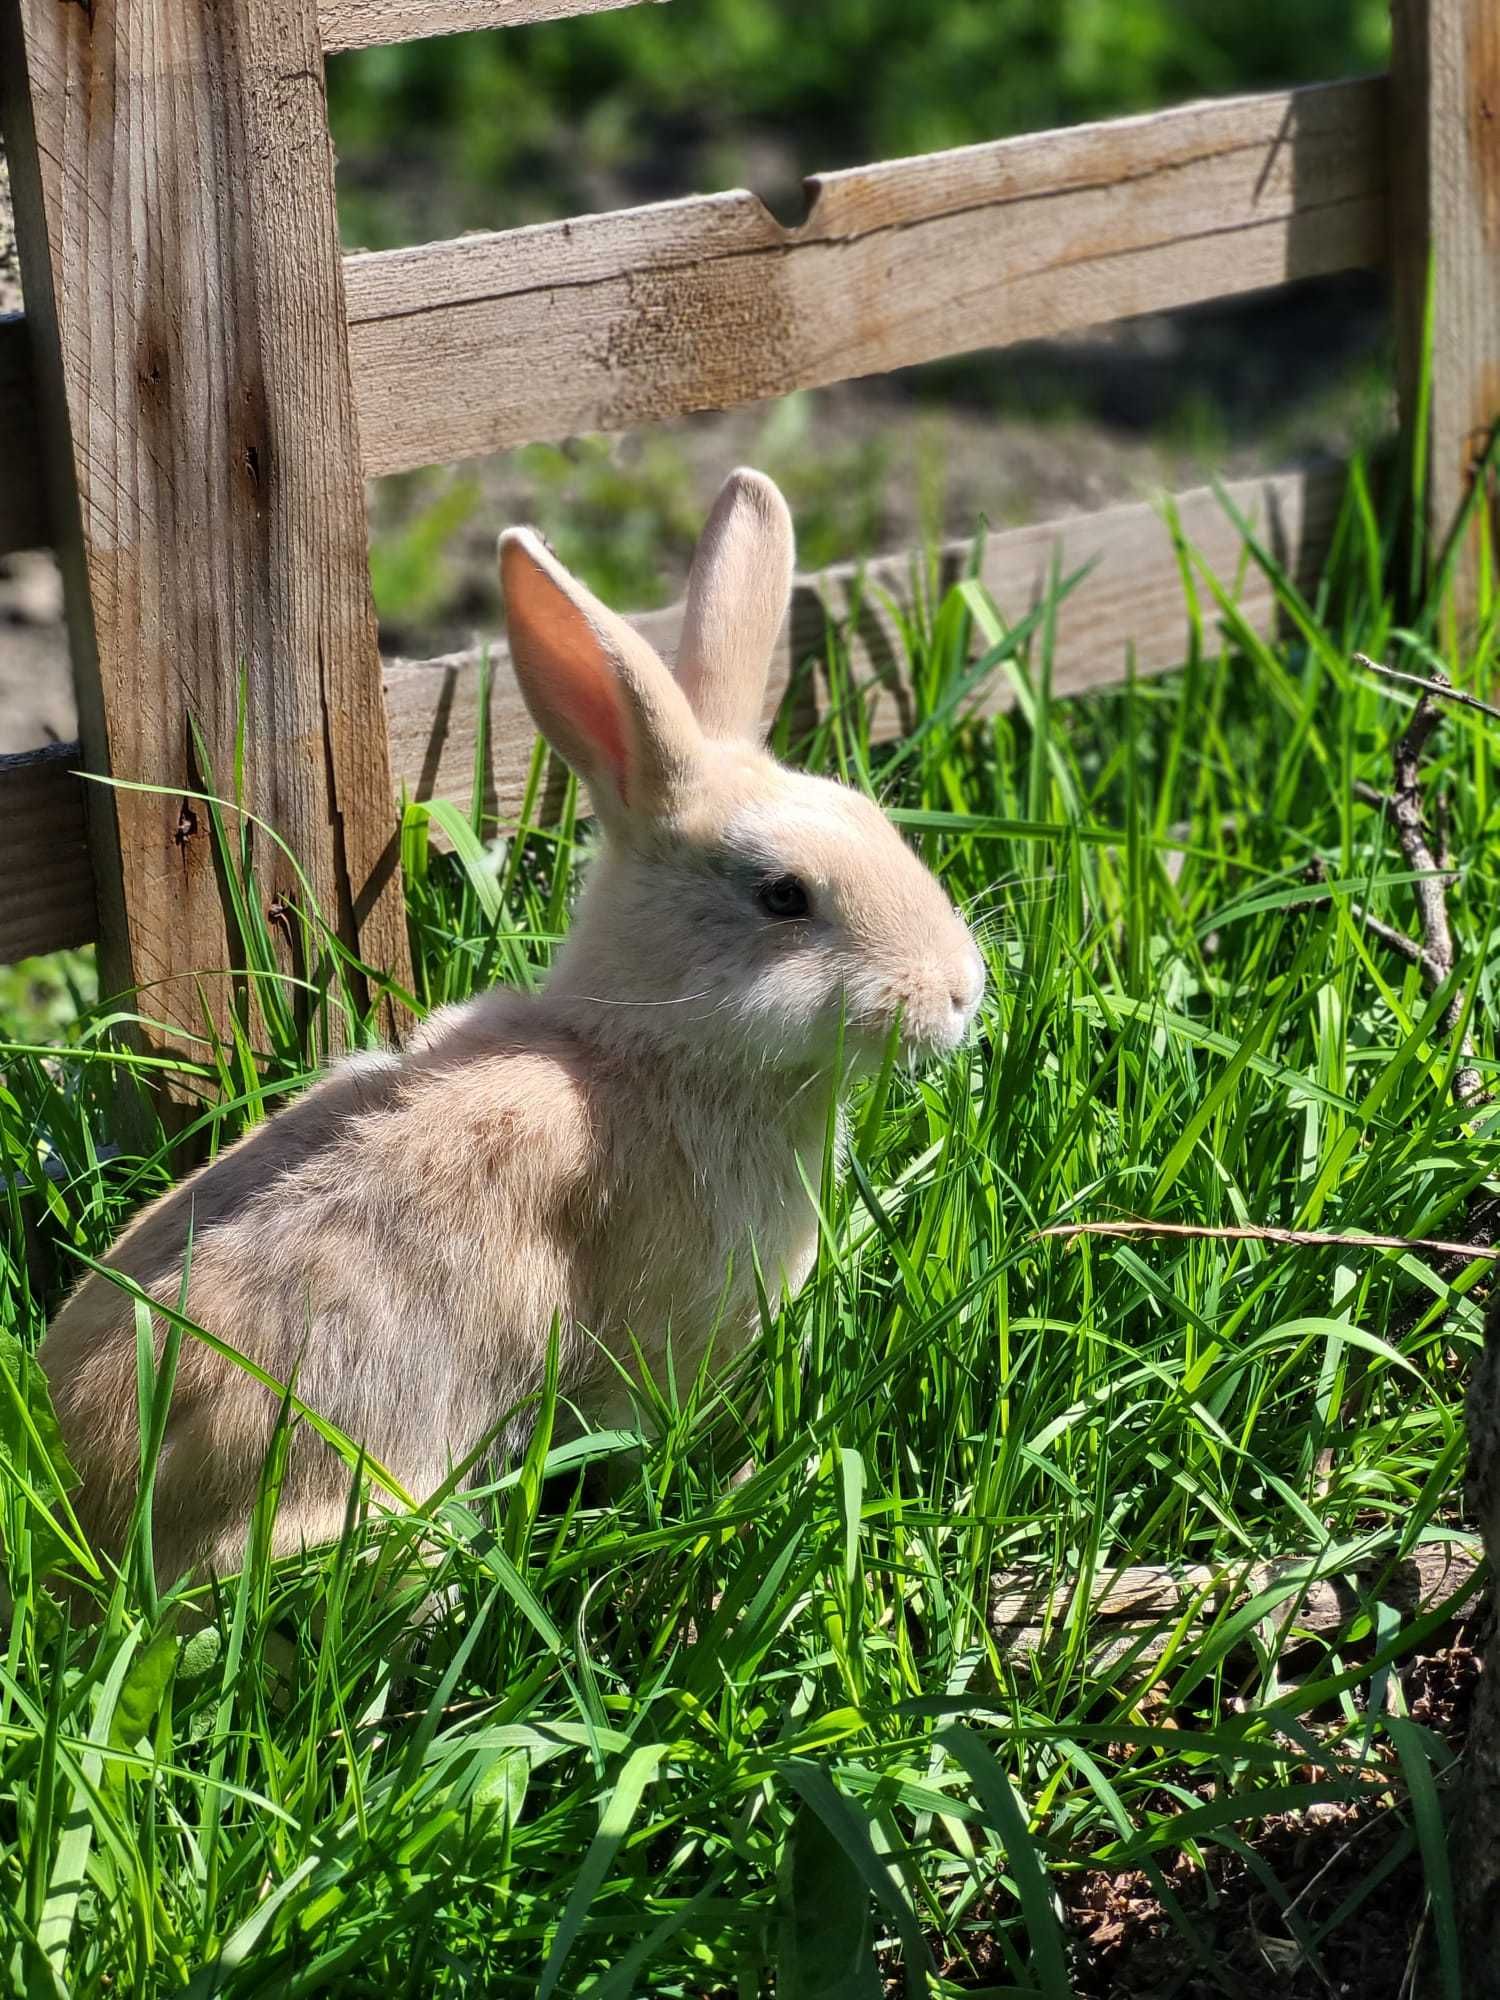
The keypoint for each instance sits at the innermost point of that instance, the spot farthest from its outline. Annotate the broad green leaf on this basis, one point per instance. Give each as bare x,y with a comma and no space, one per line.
825,1933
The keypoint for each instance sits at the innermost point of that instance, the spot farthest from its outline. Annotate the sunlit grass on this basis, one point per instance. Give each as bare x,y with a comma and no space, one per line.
698,1736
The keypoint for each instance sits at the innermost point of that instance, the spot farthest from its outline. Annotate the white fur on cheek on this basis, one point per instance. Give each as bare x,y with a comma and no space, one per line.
893,947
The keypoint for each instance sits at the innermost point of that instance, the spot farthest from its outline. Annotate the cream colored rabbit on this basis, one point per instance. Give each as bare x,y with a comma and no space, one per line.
401,1240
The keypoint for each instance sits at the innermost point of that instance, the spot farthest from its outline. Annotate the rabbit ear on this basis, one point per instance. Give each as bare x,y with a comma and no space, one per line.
737,597
596,690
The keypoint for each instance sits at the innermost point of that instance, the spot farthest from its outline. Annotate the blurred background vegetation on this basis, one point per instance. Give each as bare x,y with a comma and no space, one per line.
508,127
495,130
486,131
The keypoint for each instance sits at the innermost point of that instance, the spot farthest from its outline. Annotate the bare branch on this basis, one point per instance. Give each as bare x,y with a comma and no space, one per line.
1441,687
1398,941
1254,1233
1387,933
1403,808
1368,796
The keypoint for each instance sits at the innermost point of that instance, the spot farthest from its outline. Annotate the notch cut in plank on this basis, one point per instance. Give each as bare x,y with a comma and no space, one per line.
24,523
1445,143
367,24
608,322
1130,599
173,183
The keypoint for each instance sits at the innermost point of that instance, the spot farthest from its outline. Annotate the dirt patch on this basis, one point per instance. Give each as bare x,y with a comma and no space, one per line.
36,681
1311,1909
10,261
36,686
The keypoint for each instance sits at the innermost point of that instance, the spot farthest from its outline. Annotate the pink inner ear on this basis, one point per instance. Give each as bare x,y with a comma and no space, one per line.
584,696
598,719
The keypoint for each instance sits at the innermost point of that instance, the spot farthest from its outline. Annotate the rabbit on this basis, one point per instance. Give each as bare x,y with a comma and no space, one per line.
600,1157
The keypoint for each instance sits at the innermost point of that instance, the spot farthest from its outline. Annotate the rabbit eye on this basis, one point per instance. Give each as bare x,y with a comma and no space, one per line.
783,897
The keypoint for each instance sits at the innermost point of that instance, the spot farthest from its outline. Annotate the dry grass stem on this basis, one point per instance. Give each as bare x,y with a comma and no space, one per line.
1442,688
1296,1239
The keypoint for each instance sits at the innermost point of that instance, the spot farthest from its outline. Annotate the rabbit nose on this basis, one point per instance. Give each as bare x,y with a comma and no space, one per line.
967,989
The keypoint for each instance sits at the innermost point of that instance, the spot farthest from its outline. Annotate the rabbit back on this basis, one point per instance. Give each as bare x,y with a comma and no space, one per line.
397,1245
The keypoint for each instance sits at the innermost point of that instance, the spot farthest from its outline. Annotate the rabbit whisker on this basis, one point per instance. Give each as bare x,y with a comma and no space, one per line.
678,1000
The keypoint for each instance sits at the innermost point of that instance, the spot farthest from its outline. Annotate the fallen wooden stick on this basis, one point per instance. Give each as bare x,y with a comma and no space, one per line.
1134,1610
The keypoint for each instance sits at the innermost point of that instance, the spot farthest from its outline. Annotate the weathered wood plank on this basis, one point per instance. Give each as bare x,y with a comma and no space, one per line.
363,24
643,315
23,505
1132,1612
173,179
46,882
1445,143
1131,598
611,321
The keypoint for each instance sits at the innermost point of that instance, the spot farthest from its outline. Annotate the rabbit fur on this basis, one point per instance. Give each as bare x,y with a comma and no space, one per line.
601,1156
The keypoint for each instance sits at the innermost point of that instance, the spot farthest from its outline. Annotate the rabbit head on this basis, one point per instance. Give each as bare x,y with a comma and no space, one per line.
739,911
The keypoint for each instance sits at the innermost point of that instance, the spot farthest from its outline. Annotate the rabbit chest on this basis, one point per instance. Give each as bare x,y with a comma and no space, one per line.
698,1188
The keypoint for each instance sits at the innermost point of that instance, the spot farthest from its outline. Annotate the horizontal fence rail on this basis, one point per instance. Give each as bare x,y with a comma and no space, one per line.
651,313
1128,604
648,314
365,24
23,503
46,880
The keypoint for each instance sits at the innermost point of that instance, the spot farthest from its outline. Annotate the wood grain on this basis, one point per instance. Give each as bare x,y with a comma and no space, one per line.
612,321
46,882
647,314
173,179
23,506
364,24
1131,598
1132,1612
1445,139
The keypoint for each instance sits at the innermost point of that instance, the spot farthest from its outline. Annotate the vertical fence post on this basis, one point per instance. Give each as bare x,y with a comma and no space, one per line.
1445,227
173,181
1445,178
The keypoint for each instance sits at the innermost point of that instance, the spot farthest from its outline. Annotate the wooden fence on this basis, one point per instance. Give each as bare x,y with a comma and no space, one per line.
202,383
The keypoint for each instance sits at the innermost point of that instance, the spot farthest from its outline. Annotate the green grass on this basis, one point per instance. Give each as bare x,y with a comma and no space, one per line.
673,1735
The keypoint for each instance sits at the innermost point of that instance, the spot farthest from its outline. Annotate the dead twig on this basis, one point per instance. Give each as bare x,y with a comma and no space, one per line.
1397,940
1296,1239
1376,926
1403,807
1438,685
1369,796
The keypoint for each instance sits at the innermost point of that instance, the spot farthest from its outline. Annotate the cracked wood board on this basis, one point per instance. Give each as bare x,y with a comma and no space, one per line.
1445,229
364,24
173,181
611,321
